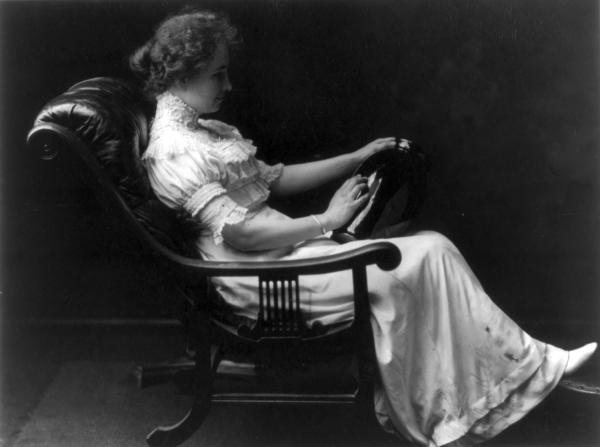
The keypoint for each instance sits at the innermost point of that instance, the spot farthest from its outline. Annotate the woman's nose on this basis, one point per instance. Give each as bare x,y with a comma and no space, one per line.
227,85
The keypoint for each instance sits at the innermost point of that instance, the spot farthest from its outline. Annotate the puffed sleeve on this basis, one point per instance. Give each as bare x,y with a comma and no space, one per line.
192,181
269,173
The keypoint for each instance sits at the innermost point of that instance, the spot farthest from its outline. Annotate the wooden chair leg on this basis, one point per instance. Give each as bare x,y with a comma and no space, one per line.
174,435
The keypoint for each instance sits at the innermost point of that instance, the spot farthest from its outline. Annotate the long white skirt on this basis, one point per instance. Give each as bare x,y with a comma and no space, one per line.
454,367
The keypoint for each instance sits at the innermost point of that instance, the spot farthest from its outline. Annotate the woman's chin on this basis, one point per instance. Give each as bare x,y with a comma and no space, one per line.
214,109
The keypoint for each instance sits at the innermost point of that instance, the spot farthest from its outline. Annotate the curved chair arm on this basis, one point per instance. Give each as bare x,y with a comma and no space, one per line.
384,254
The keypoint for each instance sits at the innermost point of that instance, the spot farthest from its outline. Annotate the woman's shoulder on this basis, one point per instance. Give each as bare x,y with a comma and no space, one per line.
170,143
212,142
169,138
166,142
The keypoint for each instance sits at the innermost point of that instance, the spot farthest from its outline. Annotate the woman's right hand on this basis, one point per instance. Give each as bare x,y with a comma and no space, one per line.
353,194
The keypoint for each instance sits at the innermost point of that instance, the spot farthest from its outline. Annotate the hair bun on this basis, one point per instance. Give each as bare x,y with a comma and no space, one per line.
140,62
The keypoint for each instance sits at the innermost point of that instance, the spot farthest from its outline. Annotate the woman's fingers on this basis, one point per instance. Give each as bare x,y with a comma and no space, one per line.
354,180
353,188
384,143
362,199
359,190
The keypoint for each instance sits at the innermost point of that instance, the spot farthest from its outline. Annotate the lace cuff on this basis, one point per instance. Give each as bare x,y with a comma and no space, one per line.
221,211
202,196
269,173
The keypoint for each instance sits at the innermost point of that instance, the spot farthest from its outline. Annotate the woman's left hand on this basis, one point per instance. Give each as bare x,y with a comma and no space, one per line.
373,147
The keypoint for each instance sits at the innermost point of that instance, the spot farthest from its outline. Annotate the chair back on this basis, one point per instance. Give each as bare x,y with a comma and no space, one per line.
104,123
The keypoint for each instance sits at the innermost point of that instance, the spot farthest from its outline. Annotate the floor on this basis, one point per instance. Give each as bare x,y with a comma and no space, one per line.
34,355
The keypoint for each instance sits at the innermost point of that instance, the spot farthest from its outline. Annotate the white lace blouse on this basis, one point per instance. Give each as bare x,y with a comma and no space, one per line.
207,168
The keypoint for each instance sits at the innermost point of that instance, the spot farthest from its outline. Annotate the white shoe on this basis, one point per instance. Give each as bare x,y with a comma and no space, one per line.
577,357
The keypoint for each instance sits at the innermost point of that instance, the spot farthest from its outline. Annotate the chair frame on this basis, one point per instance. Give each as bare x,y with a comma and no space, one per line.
280,325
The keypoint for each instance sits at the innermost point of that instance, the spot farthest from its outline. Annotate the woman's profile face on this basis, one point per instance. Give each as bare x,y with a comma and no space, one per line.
205,90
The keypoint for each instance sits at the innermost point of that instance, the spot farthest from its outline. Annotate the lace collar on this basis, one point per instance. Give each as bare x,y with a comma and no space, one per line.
182,113
177,110
214,136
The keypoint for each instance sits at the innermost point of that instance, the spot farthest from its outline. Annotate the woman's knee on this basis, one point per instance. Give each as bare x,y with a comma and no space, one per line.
434,242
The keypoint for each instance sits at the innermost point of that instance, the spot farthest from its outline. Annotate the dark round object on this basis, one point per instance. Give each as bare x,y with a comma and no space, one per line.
398,181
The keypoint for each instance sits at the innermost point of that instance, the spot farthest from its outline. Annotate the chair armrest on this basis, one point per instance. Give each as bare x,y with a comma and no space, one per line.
384,254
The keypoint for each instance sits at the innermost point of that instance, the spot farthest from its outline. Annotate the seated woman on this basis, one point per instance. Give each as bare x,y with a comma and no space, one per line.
453,366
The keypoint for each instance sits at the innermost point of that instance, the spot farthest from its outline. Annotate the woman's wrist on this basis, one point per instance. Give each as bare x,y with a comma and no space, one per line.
326,222
320,222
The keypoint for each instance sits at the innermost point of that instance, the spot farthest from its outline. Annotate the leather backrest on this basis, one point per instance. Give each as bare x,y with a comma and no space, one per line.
111,117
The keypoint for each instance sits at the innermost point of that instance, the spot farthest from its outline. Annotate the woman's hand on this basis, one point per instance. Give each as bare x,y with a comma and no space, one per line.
345,202
373,147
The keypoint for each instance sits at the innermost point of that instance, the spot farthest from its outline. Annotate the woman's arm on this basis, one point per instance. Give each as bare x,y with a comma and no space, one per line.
302,177
260,233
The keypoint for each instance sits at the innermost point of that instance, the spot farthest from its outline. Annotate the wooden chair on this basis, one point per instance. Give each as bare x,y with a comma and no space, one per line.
102,125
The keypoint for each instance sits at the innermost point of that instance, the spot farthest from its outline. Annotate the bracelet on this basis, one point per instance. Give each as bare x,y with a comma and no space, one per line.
323,229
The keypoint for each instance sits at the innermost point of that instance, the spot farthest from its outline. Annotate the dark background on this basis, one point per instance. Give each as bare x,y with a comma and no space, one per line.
502,94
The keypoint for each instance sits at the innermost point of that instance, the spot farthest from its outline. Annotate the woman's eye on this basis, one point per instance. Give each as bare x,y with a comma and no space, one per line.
220,74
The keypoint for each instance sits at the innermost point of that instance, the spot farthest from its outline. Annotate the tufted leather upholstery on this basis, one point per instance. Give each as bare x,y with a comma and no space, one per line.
111,117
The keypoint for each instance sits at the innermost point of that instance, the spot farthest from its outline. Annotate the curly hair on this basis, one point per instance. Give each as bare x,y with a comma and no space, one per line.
182,45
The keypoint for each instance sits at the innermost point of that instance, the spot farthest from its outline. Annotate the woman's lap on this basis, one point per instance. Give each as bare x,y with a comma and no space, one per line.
329,298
